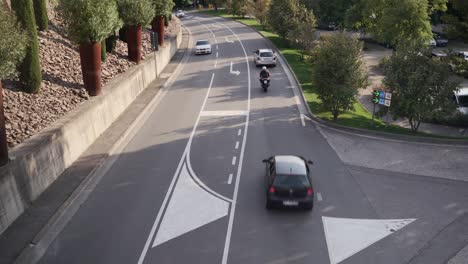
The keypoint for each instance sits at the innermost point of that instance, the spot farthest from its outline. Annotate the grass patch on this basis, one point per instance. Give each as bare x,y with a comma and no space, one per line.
359,118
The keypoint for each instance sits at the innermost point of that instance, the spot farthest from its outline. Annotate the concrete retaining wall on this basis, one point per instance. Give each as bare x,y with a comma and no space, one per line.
37,162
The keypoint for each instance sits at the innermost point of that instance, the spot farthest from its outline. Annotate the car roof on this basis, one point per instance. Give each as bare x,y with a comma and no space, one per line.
462,91
288,164
265,50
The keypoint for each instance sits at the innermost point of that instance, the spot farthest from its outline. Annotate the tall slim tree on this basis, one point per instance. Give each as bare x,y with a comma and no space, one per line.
30,69
12,52
89,22
135,14
261,9
281,16
40,11
337,72
303,34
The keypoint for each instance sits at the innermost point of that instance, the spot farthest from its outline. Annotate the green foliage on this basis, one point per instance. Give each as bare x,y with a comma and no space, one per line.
303,34
240,8
260,10
421,86
163,7
332,11
457,20
281,16
338,72
90,21
13,47
30,68
136,12
166,21
40,12
111,43
103,50
398,23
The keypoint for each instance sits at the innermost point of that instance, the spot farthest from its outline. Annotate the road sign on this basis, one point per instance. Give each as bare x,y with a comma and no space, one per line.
381,98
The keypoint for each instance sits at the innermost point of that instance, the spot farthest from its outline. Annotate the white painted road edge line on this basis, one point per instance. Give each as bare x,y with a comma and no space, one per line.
237,145
234,160
174,179
230,178
319,197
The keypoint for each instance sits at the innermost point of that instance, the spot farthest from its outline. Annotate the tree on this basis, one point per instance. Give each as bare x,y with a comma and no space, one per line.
88,23
337,72
240,7
261,8
30,68
398,23
303,35
421,86
12,52
161,9
332,11
40,12
457,20
281,16
135,14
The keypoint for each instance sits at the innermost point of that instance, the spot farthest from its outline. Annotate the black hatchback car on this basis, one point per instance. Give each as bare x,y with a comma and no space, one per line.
288,182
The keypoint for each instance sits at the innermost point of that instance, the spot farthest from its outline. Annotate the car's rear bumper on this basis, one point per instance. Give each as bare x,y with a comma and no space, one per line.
203,51
305,202
265,62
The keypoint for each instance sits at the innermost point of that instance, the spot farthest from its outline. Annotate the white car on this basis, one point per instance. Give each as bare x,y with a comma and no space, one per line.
461,98
202,46
463,55
265,57
432,43
180,14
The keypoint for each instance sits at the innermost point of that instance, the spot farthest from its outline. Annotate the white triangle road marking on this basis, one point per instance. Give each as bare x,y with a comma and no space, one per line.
190,207
347,236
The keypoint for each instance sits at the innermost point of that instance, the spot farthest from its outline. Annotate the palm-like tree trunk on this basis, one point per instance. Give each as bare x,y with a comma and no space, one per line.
134,43
3,138
158,27
90,55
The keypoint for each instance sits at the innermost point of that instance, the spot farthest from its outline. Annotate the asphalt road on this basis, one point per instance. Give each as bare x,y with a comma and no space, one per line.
188,187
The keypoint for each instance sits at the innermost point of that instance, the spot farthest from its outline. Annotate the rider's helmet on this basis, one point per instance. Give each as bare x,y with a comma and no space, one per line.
264,68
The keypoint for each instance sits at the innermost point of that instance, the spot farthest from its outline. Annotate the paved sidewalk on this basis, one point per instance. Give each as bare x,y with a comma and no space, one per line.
372,56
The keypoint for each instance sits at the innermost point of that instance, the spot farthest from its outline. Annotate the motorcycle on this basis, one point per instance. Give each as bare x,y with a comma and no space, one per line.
265,84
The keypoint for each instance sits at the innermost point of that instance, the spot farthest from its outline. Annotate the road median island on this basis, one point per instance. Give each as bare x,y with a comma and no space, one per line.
357,122
39,161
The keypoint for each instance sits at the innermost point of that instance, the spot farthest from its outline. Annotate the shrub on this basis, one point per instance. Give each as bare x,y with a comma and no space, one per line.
40,12
30,68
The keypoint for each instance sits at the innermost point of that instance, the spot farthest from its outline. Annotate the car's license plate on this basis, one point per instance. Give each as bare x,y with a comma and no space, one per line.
290,203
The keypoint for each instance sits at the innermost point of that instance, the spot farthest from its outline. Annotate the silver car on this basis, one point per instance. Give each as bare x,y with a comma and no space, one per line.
265,57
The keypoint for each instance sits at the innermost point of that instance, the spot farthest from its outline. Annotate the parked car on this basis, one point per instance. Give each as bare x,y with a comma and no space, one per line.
265,57
180,14
440,39
432,43
463,55
288,182
461,97
202,46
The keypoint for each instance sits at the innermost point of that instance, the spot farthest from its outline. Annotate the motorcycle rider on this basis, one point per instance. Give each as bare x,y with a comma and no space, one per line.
264,74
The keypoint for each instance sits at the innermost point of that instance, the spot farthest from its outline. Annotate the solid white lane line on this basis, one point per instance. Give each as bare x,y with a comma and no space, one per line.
234,160
223,113
237,145
319,197
230,178
239,132
174,179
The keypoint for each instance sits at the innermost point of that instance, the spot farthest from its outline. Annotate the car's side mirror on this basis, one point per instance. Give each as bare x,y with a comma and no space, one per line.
310,162
265,161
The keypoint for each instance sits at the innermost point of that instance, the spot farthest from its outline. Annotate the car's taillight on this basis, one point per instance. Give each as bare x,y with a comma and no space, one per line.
310,192
271,190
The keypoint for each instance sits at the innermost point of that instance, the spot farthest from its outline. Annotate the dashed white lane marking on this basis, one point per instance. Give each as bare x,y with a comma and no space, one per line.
224,113
217,47
216,63
196,204
217,54
237,145
230,178
239,132
234,159
319,197
346,237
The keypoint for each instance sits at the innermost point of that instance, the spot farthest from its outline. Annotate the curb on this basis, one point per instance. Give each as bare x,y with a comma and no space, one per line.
358,131
33,252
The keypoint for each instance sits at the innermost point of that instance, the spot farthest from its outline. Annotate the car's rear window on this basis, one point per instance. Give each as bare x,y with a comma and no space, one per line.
291,181
266,54
463,100
202,42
